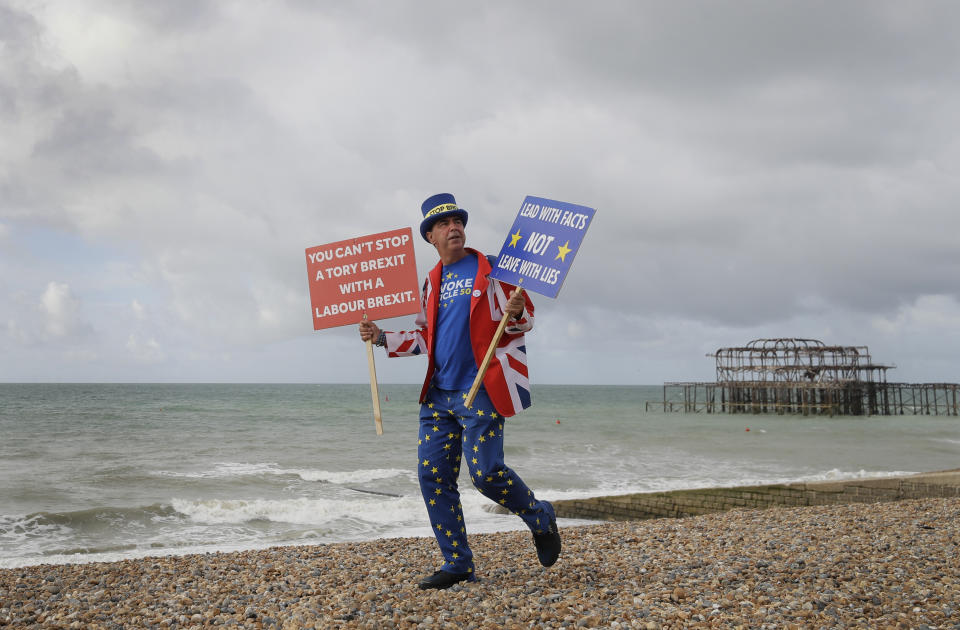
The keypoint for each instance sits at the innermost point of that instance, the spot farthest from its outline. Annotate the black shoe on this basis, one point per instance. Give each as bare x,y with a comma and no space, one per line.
445,579
548,544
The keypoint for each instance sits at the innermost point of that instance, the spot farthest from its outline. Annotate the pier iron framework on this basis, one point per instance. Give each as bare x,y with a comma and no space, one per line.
806,376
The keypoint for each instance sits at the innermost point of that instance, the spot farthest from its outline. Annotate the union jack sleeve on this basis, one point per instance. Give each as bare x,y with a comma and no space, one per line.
408,343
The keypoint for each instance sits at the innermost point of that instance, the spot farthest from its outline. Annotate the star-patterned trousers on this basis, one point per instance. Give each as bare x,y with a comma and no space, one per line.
451,436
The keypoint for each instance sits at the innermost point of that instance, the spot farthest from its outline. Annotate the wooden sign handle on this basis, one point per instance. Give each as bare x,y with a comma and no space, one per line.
482,370
374,391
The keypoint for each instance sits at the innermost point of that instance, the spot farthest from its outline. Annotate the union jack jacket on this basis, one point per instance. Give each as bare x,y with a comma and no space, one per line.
506,381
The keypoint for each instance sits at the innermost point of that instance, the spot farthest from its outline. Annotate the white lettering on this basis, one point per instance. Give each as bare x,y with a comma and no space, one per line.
357,285
382,263
530,269
390,299
339,309
538,243
550,214
342,270
529,210
508,262
321,256
574,219
550,275
392,241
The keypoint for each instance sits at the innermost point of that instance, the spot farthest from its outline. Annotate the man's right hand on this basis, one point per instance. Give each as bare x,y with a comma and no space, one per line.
369,331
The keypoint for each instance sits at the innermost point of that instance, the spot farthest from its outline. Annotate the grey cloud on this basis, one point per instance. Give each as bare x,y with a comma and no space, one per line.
754,165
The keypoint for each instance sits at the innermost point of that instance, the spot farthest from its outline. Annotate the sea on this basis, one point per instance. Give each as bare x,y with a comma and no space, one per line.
102,472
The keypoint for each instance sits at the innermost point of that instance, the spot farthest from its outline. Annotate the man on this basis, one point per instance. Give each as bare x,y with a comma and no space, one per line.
460,310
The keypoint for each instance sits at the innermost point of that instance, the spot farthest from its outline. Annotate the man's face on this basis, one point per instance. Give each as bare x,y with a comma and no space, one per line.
447,235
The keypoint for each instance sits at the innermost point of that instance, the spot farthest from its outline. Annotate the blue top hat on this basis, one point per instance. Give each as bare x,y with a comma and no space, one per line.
438,207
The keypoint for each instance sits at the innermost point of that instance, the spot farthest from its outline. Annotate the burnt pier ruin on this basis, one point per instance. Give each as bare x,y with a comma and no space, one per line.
806,376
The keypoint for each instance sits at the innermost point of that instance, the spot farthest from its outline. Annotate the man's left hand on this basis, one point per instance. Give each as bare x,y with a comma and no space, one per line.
515,305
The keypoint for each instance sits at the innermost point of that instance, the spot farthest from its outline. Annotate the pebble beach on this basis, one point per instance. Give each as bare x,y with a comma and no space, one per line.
880,565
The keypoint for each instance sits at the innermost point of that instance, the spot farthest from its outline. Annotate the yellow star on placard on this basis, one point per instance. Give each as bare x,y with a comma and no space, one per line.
514,238
564,250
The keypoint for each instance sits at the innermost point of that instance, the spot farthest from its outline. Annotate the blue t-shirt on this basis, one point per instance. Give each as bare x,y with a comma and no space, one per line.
452,353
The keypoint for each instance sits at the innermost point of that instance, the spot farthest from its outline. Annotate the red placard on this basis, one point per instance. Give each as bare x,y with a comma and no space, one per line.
374,275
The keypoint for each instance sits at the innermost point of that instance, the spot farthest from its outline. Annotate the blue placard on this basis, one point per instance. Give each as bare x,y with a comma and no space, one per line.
542,244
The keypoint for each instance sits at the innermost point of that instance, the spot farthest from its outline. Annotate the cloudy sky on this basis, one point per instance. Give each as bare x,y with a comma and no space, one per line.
759,169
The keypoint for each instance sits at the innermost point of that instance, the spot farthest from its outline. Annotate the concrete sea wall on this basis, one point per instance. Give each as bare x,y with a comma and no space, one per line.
681,503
